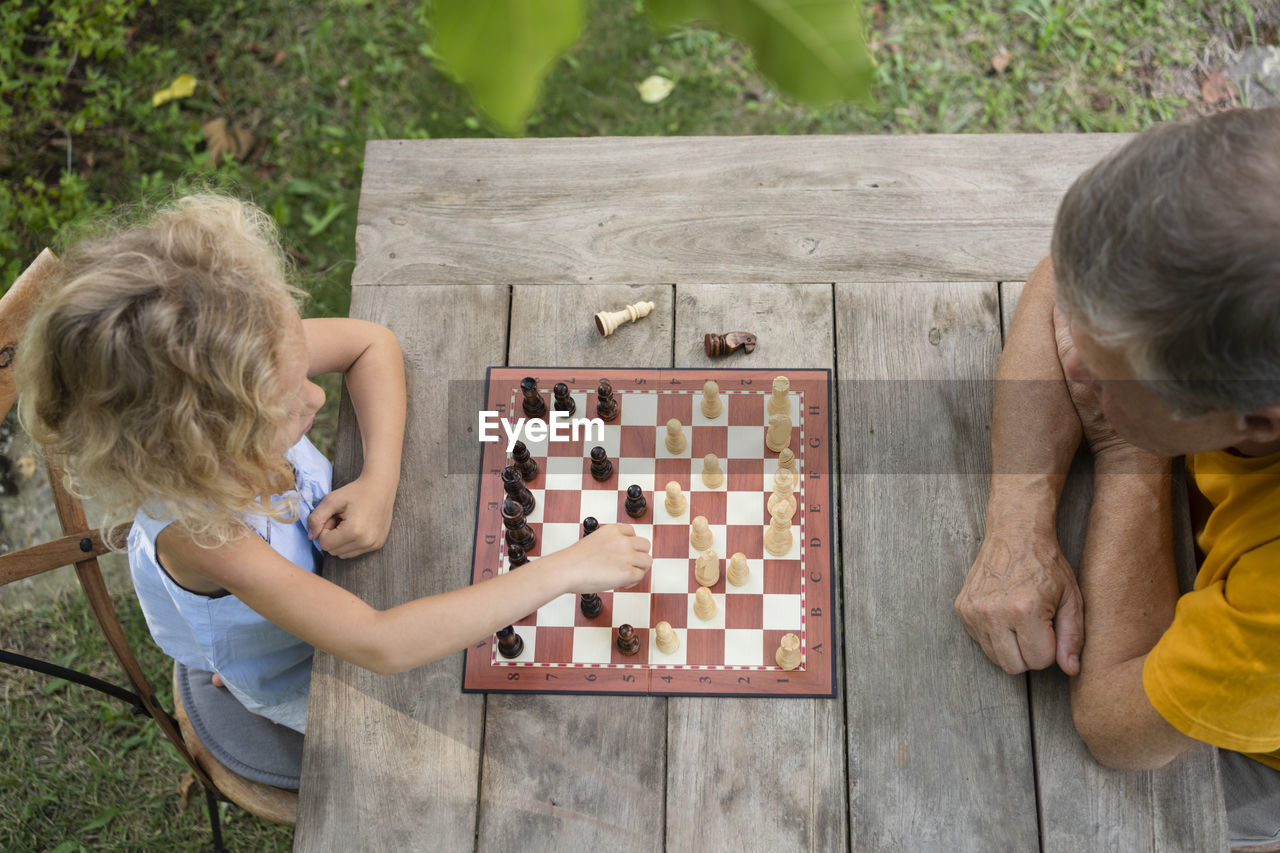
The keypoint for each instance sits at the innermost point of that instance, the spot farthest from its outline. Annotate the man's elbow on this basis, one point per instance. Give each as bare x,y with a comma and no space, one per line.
1112,745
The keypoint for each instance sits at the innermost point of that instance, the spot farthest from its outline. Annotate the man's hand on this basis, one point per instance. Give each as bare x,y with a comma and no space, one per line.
1098,432
353,520
1021,601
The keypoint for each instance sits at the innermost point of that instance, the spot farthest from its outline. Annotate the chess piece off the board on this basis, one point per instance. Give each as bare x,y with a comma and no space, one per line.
562,402
534,406
601,466
779,434
510,644
675,503
525,463
628,642
704,604
606,403
788,654
706,568
712,476
784,484
700,534
777,536
608,321
738,572
519,534
780,400
635,504
711,405
676,442
665,638
717,345
513,485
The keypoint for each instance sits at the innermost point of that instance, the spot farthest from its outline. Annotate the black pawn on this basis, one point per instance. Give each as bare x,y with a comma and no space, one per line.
590,603
514,485
590,525
525,463
606,404
510,644
534,406
601,467
635,504
519,534
563,402
628,642
517,558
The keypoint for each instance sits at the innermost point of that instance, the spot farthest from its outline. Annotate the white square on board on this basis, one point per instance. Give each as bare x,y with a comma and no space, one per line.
744,647
592,644
781,612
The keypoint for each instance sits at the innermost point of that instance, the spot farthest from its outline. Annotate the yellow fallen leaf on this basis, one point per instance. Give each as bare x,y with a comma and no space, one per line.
223,140
183,86
654,89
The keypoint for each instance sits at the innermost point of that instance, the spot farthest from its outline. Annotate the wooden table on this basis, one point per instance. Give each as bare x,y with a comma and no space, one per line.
894,261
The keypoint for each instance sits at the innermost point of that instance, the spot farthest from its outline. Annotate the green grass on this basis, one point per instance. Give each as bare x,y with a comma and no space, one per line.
313,82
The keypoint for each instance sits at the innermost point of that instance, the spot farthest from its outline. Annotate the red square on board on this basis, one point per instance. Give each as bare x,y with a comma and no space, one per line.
678,406
782,577
669,607
743,475
747,409
554,645
566,448
745,538
638,442
561,505
743,611
713,505
704,647
671,540
709,439
666,470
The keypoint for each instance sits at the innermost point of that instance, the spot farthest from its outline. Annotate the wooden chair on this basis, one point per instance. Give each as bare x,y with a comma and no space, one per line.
80,546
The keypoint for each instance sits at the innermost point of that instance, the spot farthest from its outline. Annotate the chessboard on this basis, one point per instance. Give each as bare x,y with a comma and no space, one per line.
731,653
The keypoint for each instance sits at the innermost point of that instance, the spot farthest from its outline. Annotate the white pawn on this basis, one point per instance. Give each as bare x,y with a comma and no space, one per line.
675,438
780,402
738,573
706,569
779,434
777,536
784,484
712,476
704,606
675,503
665,638
711,406
700,534
788,654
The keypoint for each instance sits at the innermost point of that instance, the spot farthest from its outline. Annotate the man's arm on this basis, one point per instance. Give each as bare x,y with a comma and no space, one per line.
1020,600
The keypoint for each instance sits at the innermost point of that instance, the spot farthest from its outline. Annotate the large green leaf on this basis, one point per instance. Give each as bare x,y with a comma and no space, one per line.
501,50
811,49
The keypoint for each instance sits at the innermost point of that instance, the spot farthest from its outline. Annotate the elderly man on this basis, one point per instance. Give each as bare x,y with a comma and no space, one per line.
1152,332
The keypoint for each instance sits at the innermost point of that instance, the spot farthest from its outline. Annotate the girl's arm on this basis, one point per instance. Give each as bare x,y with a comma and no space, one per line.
417,632
356,518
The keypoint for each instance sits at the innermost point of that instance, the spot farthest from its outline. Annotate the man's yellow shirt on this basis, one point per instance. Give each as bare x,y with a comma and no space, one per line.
1215,674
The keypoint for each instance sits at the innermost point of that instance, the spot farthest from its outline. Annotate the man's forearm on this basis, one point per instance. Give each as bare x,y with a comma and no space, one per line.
1034,427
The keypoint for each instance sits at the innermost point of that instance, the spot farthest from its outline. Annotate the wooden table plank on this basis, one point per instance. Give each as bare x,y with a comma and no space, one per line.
393,762
757,209
1083,805
577,772
756,774
939,746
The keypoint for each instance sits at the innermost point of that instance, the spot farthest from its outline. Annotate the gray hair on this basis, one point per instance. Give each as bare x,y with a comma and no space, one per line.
1169,249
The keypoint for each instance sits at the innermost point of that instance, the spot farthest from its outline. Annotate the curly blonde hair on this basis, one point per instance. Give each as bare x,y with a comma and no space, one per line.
150,373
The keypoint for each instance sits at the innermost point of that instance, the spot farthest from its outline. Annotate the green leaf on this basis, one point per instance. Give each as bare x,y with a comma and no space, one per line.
501,50
101,819
812,50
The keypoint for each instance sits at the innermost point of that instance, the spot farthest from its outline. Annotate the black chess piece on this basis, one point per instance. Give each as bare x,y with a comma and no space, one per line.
601,466
606,403
534,405
516,557
590,525
628,642
519,534
563,402
510,644
516,490
635,504
525,463
590,605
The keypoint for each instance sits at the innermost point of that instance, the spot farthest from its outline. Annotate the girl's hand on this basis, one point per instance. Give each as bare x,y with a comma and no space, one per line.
353,520
611,558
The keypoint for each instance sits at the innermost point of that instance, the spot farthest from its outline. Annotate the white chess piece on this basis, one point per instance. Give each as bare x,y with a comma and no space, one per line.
779,433
704,606
784,484
780,401
777,536
706,569
738,572
675,438
711,405
788,654
675,503
700,534
607,321
666,639
712,476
